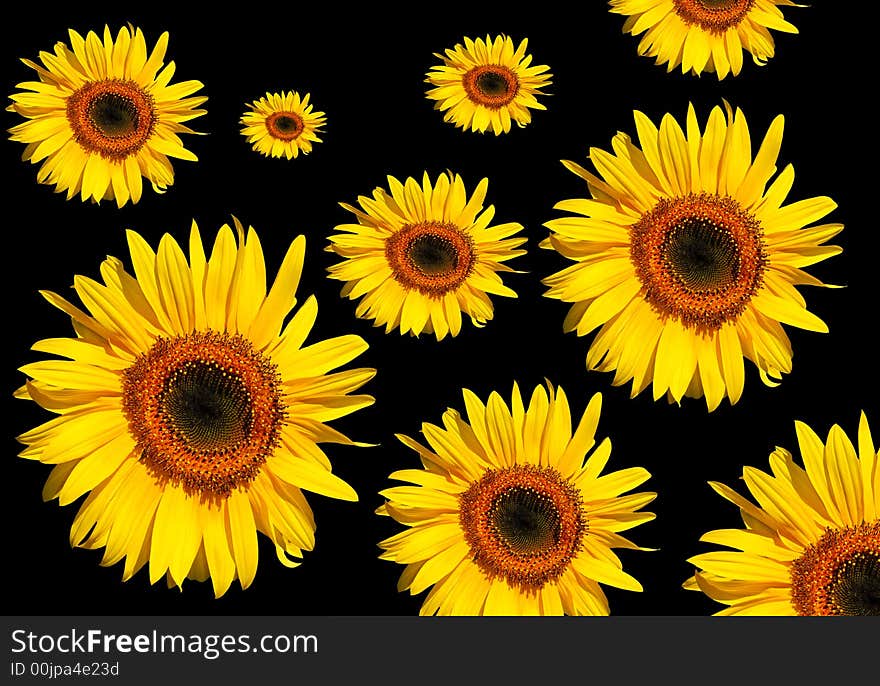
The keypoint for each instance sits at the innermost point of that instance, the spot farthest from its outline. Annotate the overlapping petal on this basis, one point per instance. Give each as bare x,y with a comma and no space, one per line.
533,447
135,510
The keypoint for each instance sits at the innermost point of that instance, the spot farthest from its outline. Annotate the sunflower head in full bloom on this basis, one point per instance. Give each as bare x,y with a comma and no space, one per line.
507,517
705,35
487,84
282,125
422,255
686,258
104,115
190,412
811,544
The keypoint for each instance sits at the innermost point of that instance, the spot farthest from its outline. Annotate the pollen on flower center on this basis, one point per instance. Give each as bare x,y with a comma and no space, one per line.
205,409
116,115
525,519
840,574
715,16
701,254
491,85
433,255
113,117
430,257
523,524
700,259
208,406
285,126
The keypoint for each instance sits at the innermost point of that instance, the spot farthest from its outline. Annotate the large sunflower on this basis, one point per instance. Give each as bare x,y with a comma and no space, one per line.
282,124
487,84
705,35
189,412
687,259
507,518
103,115
422,255
811,546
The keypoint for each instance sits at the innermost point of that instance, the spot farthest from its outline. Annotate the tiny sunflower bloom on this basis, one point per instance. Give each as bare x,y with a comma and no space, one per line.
422,255
811,544
189,412
104,115
705,35
487,84
507,517
687,259
282,124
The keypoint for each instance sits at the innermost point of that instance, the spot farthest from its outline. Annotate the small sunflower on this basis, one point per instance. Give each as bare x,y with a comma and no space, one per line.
422,255
811,546
487,84
282,124
189,412
687,259
705,35
507,518
103,115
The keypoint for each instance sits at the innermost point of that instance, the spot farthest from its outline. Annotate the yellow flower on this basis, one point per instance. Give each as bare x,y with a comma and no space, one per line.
190,412
811,545
507,518
282,124
103,115
487,84
687,259
422,255
705,35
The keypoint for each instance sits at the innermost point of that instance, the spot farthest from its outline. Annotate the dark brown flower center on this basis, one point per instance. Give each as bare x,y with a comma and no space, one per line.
115,115
432,254
285,126
840,574
492,86
524,524
525,519
113,118
206,410
208,406
700,259
431,257
701,254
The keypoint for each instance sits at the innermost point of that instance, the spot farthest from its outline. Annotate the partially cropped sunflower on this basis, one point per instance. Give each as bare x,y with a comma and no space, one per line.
104,115
422,255
705,35
811,545
190,412
507,517
282,124
687,259
484,85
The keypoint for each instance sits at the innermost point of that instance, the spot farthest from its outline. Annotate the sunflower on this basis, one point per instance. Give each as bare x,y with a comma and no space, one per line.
507,518
687,259
282,124
103,115
423,255
486,84
188,414
705,35
811,546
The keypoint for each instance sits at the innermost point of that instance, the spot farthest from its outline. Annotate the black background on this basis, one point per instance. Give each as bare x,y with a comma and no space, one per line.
365,68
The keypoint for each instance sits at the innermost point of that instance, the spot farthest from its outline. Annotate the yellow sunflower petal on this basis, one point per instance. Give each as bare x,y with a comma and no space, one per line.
807,541
162,369
421,256
701,37
464,518
88,145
